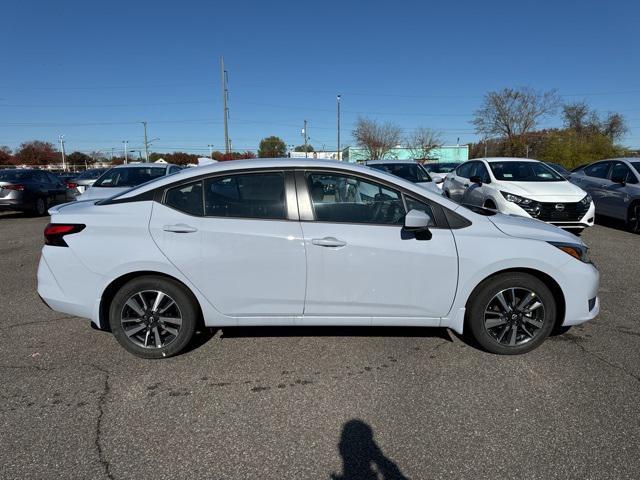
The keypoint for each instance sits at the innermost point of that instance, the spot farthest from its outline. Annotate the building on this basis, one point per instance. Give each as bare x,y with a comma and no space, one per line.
444,154
323,155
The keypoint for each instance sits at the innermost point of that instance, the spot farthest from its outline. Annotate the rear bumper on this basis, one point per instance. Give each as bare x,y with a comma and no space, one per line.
17,205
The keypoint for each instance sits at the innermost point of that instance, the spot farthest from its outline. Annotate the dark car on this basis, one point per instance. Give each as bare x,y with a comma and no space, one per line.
31,190
560,169
614,186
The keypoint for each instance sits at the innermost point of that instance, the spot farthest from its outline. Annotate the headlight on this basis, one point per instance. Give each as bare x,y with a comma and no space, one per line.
586,200
579,252
510,197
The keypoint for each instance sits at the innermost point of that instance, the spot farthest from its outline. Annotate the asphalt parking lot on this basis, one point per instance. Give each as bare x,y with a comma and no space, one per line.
289,403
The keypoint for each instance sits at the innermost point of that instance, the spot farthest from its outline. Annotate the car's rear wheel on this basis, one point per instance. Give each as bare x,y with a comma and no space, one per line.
40,207
633,218
511,313
153,317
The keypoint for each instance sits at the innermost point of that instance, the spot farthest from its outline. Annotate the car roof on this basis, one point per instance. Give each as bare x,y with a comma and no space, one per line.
389,162
145,165
505,159
266,163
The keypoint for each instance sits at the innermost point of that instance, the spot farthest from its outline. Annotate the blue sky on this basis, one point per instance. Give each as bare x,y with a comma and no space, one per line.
93,70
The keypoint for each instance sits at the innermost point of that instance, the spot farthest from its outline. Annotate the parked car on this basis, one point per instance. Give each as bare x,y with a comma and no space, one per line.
254,242
614,186
560,169
438,171
86,179
123,177
524,187
409,170
31,190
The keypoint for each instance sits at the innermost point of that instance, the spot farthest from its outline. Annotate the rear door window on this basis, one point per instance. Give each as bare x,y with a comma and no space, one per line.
186,198
597,170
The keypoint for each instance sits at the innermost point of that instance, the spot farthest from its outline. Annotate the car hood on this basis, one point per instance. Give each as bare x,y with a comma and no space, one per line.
432,186
544,191
523,227
101,192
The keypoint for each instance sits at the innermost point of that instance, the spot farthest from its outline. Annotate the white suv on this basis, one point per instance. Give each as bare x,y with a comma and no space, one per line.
521,186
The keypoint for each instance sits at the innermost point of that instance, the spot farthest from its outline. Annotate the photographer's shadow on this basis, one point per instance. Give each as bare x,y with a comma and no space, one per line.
362,458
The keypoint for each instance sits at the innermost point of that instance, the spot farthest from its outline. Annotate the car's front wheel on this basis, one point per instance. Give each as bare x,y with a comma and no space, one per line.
633,218
511,313
153,317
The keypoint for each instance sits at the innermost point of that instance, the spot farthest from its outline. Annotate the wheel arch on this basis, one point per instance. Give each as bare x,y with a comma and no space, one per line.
547,279
115,285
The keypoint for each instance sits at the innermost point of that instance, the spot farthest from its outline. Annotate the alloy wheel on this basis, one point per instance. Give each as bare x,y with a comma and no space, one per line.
151,319
514,316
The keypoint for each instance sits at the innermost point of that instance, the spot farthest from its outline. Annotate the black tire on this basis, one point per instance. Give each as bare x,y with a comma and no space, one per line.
184,304
633,218
484,296
40,207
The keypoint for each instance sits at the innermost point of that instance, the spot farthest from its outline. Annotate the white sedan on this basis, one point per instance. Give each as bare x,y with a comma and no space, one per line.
521,186
308,242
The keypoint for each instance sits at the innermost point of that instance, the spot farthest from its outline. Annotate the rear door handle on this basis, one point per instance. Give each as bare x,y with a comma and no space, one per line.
179,228
328,242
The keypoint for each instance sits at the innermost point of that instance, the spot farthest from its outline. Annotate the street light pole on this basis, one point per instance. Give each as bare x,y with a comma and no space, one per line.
210,151
338,100
126,158
64,162
304,133
146,143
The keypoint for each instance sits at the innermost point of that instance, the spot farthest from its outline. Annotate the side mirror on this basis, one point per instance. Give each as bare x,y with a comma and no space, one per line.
476,179
439,180
619,180
417,220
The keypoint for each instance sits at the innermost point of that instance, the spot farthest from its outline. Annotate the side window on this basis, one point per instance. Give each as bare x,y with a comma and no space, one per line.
597,170
413,204
620,170
464,170
41,177
249,195
186,198
54,179
173,170
481,171
350,199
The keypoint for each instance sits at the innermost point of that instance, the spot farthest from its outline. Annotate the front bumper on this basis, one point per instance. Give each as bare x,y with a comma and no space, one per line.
580,290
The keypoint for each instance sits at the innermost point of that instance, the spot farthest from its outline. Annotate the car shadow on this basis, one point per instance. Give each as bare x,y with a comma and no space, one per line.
335,331
611,223
362,458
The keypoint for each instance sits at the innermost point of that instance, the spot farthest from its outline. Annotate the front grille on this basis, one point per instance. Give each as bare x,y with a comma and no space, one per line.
549,212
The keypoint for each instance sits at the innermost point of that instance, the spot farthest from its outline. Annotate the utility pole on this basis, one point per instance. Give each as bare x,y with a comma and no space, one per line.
126,159
146,143
112,154
210,151
304,134
225,96
338,100
64,162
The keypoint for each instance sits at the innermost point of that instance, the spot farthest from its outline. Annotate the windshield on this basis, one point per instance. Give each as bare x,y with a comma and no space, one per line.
409,171
558,168
524,172
13,175
91,174
440,167
129,177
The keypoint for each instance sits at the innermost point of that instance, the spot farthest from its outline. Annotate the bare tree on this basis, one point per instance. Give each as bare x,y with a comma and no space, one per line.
375,138
422,141
614,126
583,120
512,113
576,115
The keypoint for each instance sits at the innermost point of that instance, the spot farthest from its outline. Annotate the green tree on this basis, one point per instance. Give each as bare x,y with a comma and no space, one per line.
272,147
79,158
301,148
6,158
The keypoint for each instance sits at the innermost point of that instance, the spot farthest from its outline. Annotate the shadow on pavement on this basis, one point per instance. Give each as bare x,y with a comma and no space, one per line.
362,458
332,331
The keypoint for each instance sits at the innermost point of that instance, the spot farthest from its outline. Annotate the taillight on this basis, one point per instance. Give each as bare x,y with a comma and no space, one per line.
71,185
54,233
14,186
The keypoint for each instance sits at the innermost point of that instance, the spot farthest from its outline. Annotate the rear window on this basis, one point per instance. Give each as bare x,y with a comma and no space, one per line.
15,175
129,177
90,174
440,167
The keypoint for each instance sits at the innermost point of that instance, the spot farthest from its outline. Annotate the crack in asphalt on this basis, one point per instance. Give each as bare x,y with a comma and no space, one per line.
37,322
98,430
603,360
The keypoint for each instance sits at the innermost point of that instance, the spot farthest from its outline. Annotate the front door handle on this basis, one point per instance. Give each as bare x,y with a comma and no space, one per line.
179,228
328,242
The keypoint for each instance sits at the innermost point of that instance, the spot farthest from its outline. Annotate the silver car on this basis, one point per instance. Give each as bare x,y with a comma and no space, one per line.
614,185
86,179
